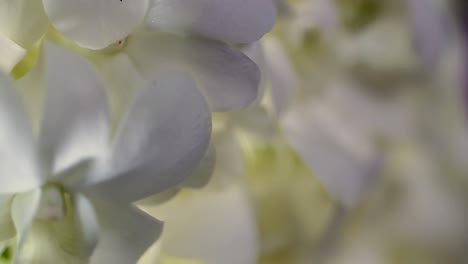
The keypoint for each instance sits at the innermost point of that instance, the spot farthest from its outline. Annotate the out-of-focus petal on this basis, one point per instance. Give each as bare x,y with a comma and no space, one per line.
19,166
95,24
283,80
163,138
75,124
71,239
7,229
227,77
336,151
212,226
125,233
23,21
233,21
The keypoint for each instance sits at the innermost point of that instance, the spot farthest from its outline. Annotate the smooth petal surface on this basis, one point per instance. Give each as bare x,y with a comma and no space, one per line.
23,21
23,212
227,78
339,153
163,138
282,77
202,174
19,167
71,239
211,226
125,233
95,24
75,124
227,20
11,53
7,229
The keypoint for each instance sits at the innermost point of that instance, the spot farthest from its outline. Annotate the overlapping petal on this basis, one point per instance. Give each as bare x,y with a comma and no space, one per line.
233,21
75,124
227,77
19,167
125,233
23,21
7,229
95,24
162,139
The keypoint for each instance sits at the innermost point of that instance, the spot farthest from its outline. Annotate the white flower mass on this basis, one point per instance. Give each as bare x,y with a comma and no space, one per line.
233,131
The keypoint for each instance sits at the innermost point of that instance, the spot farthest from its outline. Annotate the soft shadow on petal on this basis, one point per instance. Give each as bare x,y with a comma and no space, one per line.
75,124
19,167
227,20
227,77
95,24
68,240
125,233
161,141
7,229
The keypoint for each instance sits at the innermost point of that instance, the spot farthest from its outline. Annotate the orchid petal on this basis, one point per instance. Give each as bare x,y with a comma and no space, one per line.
227,77
71,239
339,154
95,24
162,139
19,167
22,21
7,229
226,20
222,227
75,125
125,233
12,53
23,212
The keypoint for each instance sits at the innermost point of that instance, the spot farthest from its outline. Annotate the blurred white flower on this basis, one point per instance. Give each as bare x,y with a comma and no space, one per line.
67,198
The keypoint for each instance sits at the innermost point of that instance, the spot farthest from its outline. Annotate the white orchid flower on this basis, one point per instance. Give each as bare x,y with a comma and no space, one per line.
22,24
66,194
148,36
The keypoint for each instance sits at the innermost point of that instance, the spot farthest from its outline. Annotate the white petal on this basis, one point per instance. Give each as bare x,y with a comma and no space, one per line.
19,168
227,77
233,21
429,29
125,233
202,174
71,239
75,125
7,229
11,54
22,21
23,213
337,152
214,226
95,24
283,80
164,136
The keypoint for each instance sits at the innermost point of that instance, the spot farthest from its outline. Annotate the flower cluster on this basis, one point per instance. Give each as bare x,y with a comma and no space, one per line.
105,103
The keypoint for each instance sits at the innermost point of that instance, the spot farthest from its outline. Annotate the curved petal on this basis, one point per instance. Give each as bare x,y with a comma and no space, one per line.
202,174
11,54
19,167
71,239
283,80
336,151
226,20
212,226
7,229
23,21
23,212
75,124
125,233
163,138
227,77
95,24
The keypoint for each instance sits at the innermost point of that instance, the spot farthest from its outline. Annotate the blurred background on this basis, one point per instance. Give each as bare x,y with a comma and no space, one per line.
356,152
